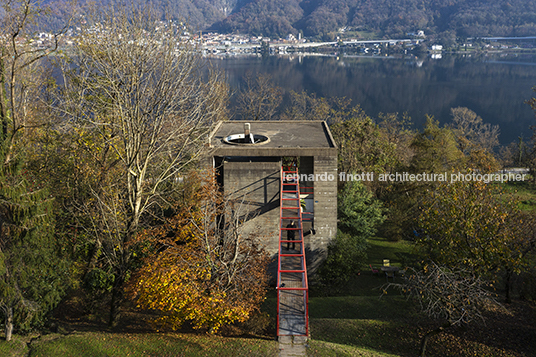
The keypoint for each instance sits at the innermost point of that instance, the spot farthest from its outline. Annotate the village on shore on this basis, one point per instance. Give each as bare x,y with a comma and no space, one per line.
213,43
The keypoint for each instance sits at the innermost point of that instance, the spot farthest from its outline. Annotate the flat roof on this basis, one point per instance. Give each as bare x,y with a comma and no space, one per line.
283,134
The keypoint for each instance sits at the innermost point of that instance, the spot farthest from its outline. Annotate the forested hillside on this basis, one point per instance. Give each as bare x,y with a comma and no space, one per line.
463,18
200,14
389,17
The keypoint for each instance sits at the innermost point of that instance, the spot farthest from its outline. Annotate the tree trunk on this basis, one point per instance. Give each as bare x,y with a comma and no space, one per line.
9,323
427,336
120,274
117,299
508,286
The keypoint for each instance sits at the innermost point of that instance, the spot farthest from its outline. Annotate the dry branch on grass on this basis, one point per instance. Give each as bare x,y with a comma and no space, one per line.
453,294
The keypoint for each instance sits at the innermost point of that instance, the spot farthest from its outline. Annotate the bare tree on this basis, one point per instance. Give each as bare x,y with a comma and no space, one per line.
307,107
20,68
260,98
148,103
472,132
453,294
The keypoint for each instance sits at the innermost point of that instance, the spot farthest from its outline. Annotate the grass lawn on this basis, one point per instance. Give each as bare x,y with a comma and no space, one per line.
359,317
392,326
15,348
94,344
524,192
352,321
398,253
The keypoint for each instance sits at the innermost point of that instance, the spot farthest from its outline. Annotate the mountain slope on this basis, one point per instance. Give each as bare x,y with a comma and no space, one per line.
465,18
268,17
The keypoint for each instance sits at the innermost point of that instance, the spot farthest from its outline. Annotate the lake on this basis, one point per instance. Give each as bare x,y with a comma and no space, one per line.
494,86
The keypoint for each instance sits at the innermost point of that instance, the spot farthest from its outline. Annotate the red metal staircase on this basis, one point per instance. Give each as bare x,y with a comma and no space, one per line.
292,285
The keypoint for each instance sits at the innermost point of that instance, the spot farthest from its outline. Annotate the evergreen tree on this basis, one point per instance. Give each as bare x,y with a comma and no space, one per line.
30,272
360,214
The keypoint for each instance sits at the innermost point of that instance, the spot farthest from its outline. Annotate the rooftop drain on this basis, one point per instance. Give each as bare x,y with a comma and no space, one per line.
247,138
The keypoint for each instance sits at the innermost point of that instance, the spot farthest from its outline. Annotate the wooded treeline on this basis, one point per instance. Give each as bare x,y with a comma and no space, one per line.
100,186
278,18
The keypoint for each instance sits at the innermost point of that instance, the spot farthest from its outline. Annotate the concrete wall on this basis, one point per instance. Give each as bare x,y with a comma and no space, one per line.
257,183
325,212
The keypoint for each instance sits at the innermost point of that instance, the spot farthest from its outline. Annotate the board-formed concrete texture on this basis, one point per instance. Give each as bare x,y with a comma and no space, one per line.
251,173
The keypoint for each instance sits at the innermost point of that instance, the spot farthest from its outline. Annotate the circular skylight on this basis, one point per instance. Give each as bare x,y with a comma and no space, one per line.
242,139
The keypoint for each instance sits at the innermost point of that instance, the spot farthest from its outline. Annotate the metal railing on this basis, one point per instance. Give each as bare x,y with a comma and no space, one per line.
288,212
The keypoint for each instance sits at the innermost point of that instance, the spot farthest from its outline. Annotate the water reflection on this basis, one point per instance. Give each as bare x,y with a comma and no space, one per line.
494,86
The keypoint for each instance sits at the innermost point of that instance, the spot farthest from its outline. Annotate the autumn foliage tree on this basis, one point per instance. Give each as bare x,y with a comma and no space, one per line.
475,226
475,139
361,145
468,224
436,149
206,269
471,238
366,147
139,103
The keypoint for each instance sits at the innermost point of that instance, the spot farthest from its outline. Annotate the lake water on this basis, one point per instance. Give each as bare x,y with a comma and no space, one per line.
495,86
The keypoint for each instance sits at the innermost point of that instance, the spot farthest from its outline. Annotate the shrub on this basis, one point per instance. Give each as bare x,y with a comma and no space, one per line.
346,255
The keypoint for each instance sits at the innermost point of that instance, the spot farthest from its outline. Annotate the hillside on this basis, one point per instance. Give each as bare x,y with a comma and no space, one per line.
465,18
461,18
200,14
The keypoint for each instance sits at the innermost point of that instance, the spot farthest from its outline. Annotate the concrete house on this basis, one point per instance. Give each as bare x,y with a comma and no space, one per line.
247,158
